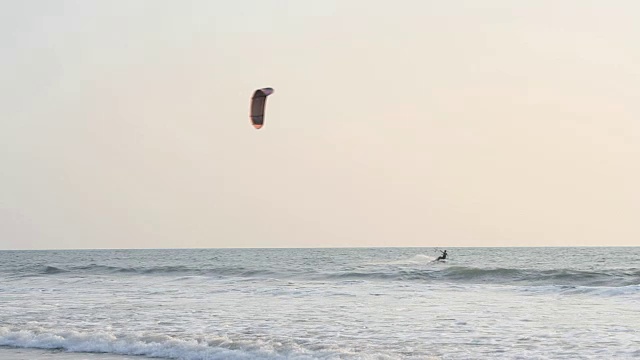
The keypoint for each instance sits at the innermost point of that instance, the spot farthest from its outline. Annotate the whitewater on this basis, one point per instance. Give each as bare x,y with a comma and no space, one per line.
356,303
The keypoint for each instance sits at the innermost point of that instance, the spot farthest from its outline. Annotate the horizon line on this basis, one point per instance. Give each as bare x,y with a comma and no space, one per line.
329,247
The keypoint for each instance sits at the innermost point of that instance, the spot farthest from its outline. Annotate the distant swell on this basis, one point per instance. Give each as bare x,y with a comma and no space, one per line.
505,276
430,274
94,269
555,276
135,270
52,270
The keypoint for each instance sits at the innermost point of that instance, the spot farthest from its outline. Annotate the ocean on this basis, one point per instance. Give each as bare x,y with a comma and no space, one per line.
343,303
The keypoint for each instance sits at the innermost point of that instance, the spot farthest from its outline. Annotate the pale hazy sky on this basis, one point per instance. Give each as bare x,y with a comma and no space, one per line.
124,124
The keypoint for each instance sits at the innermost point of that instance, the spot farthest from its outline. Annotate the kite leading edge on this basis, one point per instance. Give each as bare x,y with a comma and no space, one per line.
258,103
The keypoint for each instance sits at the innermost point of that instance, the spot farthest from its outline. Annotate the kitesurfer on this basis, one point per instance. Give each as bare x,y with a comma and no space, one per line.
443,256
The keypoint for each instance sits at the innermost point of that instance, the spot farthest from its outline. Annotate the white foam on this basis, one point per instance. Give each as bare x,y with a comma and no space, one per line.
154,346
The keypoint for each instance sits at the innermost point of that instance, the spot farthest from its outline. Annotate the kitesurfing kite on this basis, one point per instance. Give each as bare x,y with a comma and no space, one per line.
258,103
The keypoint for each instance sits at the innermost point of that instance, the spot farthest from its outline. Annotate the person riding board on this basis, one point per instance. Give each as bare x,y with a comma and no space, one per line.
443,256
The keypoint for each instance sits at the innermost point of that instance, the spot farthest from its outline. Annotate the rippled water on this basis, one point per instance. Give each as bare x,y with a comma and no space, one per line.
383,303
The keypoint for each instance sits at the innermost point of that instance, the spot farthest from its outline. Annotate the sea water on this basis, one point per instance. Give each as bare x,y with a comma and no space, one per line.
379,303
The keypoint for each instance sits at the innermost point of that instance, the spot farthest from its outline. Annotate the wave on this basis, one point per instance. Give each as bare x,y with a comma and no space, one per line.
505,276
95,269
604,291
550,276
52,270
368,272
153,345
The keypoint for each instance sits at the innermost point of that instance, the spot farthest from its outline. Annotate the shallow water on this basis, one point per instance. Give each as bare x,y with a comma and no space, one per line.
382,303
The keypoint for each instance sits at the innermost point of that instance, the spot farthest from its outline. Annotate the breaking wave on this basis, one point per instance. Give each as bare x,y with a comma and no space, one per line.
153,345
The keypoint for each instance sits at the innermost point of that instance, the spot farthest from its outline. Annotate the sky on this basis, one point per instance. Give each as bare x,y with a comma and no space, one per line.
124,124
